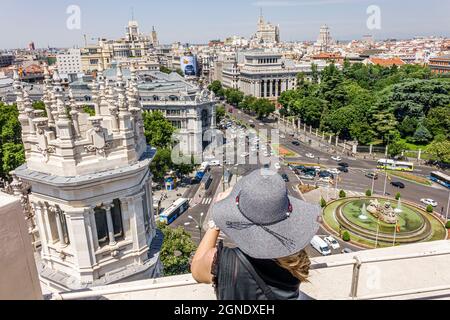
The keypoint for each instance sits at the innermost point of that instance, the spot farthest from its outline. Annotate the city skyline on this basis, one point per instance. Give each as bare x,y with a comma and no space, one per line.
298,20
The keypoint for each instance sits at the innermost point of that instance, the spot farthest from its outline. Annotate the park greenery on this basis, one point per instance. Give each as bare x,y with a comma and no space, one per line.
176,250
260,107
394,106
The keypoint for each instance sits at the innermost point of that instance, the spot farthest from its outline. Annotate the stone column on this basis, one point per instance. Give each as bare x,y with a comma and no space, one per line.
370,149
337,140
62,241
276,88
40,221
310,129
270,88
330,139
93,228
112,240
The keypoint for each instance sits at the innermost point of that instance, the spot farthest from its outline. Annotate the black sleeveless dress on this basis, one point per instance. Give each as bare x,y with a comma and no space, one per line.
233,281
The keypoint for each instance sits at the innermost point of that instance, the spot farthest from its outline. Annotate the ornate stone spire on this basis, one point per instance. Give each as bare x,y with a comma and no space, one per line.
18,91
47,98
74,112
120,90
95,95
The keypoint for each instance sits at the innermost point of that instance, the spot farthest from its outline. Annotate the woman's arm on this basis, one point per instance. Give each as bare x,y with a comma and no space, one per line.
203,259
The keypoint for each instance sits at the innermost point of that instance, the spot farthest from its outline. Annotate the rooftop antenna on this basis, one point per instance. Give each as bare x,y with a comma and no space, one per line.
132,13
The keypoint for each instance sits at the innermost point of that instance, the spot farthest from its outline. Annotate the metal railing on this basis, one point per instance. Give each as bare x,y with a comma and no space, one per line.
357,262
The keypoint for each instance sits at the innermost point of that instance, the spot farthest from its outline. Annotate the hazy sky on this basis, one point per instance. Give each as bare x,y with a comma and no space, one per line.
198,21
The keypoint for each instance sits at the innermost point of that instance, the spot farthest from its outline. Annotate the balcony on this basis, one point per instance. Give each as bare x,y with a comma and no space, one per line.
418,271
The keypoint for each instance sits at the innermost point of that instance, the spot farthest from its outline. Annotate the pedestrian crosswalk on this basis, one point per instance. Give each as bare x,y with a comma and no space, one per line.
206,201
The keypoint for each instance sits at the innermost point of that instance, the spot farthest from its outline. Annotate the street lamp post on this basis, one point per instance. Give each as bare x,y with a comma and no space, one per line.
448,207
373,183
378,232
199,224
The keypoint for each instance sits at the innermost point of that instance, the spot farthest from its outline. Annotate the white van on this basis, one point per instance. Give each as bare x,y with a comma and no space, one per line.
321,246
204,166
214,163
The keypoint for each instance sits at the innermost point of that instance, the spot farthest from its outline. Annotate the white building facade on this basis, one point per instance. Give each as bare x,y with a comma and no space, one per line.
69,62
90,185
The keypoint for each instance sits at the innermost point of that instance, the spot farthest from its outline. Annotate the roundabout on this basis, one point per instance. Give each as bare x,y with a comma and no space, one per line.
381,222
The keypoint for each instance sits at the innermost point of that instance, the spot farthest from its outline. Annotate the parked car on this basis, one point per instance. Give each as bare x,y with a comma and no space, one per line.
332,242
285,177
296,143
343,164
398,184
336,158
346,250
307,177
321,246
429,202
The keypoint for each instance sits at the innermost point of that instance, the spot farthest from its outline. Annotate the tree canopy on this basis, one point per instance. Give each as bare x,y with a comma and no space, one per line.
12,153
365,103
158,130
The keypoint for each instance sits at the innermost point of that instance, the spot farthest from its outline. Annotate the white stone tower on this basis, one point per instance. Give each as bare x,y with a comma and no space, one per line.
90,185
324,41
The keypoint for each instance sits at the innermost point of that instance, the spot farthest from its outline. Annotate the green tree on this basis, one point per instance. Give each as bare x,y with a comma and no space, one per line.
422,135
368,193
398,196
13,156
323,202
247,103
439,149
263,107
158,130
342,194
11,148
430,208
438,121
220,113
176,250
314,73
396,148
216,87
408,126
234,96
346,236
161,164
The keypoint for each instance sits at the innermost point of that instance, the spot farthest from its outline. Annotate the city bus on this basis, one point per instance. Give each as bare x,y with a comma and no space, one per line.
387,164
440,178
174,211
202,170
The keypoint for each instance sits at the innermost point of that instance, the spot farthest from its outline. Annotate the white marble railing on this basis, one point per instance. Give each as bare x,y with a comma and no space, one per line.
418,271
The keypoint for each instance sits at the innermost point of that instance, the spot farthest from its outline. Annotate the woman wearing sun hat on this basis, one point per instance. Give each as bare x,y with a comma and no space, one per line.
271,230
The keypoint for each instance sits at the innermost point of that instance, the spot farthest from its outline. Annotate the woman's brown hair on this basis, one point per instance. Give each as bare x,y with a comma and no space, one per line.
298,265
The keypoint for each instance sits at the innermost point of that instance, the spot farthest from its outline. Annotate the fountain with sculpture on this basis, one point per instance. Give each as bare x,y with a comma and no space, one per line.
385,213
